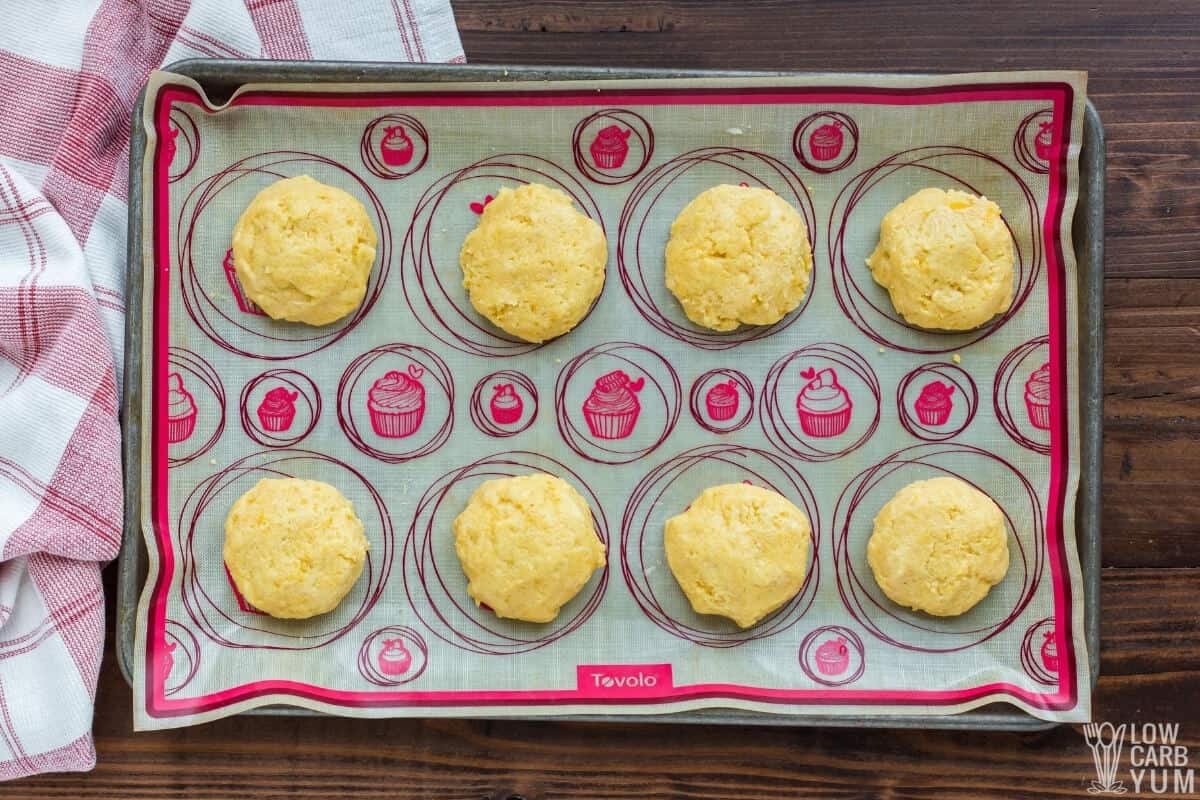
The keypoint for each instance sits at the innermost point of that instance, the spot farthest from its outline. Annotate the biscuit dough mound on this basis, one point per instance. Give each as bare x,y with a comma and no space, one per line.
946,259
294,547
740,551
303,251
527,545
738,255
939,546
534,264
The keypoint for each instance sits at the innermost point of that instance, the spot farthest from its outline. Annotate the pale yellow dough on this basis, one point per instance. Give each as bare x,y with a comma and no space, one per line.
946,259
303,251
527,545
740,551
738,255
534,264
294,547
939,546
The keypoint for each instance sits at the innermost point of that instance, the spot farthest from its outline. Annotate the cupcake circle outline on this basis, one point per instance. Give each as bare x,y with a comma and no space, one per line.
664,386
183,427
377,666
454,618
778,412
1030,147
178,641
1039,652
305,390
729,416
1014,367
870,309
827,668
763,468
820,138
748,167
497,425
433,374
184,136
390,161
608,150
965,396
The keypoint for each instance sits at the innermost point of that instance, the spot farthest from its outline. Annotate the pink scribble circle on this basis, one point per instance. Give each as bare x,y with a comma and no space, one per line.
180,657
866,493
667,490
207,596
353,393
434,581
211,293
642,235
780,418
394,146
660,402
832,671
486,417
826,141
202,382
441,221
722,418
964,401
612,166
373,656
1030,152
183,144
1039,652
864,302
308,407
1008,390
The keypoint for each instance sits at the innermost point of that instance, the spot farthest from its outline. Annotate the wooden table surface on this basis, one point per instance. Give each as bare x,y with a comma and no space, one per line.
1144,64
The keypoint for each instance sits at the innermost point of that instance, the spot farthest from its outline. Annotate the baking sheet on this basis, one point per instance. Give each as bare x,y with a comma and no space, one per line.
796,448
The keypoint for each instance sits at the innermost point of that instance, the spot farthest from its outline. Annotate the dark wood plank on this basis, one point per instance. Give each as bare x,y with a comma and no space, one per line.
1151,665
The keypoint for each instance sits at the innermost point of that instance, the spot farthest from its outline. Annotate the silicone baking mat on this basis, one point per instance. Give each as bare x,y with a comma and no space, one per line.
424,160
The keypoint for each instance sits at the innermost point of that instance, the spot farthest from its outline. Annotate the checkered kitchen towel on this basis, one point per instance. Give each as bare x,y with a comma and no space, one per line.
69,76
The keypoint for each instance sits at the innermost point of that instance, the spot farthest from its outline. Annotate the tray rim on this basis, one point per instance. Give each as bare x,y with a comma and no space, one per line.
223,75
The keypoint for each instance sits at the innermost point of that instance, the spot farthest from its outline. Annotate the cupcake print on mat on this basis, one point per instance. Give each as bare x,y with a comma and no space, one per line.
935,403
277,411
832,656
394,146
826,141
506,405
1037,397
396,403
610,147
823,405
181,410
612,409
1035,141
1039,652
279,407
392,656
721,402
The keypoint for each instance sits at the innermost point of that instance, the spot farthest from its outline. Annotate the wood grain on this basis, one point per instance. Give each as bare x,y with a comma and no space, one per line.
1144,63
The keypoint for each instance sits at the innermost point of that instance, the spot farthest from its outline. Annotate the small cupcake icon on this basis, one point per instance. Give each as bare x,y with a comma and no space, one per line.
396,147
506,405
832,656
277,410
396,403
825,143
1037,397
169,146
722,401
610,147
181,410
244,303
934,404
1049,651
823,406
394,659
612,409
1043,142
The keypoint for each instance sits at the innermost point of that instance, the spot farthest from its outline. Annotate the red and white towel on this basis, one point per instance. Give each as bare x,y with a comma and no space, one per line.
70,73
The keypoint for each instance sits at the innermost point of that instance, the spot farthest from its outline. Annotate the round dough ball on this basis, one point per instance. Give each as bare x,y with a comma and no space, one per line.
740,551
946,258
294,547
303,251
534,264
939,545
738,255
527,545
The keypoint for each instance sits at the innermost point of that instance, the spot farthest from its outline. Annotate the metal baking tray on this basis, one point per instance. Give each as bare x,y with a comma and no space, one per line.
220,78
